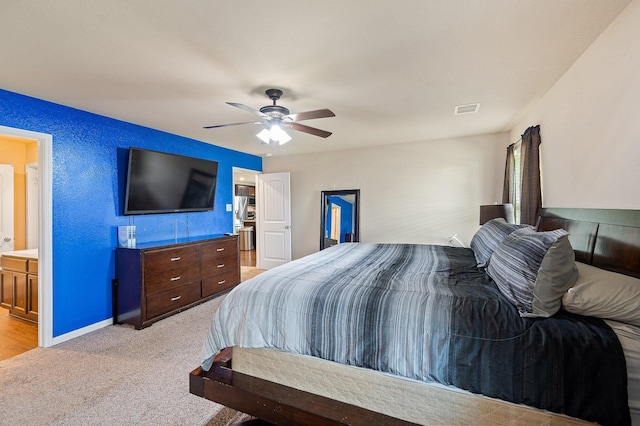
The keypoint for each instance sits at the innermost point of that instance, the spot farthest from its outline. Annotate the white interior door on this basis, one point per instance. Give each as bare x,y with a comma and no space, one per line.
336,213
6,207
273,209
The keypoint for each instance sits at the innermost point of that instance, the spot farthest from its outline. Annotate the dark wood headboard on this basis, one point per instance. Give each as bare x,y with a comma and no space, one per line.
607,239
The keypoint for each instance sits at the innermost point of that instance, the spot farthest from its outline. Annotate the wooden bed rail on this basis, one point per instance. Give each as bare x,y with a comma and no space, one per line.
274,403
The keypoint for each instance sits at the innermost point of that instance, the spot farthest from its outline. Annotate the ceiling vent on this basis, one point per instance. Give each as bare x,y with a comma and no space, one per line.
467,109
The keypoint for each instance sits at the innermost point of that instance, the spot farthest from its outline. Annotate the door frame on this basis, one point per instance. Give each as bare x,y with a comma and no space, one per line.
8,207
32,214
45,231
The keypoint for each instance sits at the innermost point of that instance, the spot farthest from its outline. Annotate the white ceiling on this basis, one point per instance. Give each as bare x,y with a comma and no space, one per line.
392,72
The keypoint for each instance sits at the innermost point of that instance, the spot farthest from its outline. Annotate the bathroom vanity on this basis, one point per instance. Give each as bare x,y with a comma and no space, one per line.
19,283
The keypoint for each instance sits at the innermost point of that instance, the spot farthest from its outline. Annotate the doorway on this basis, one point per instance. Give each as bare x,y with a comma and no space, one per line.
244,214
18,330
44,233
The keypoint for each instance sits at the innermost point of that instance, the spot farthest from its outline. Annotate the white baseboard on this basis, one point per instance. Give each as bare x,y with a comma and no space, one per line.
81,331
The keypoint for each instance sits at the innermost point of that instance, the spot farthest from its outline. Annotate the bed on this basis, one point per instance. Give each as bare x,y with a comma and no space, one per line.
469,351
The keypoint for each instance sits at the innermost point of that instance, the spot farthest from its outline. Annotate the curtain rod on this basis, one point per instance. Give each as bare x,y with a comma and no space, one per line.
519,140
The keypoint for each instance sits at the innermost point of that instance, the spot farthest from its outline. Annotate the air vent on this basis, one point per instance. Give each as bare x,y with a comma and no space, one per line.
467,109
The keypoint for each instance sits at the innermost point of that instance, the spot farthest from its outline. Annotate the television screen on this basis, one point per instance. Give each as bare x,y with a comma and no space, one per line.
158,182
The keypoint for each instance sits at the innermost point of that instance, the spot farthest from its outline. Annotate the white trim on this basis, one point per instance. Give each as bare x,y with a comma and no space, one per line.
45,245
32,210
81,331
7,208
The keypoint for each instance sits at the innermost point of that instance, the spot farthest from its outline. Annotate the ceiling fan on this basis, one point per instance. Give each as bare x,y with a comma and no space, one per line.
276,117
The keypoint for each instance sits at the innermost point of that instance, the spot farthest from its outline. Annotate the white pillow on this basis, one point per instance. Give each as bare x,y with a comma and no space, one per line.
604,294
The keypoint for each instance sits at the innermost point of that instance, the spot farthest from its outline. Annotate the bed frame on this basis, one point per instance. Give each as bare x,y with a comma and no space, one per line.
607,239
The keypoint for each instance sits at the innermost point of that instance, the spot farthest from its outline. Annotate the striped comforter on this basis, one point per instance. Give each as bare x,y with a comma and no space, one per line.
426,312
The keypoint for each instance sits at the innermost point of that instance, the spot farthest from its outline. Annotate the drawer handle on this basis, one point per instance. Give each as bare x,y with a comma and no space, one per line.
222,282
175,259
175,278
173,299
220,249
221,266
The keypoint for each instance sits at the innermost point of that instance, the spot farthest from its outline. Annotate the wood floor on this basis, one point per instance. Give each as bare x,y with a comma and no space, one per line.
248,257
17,336
248,265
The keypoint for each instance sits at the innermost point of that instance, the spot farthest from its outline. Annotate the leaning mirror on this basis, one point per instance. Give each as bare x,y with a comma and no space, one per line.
339,217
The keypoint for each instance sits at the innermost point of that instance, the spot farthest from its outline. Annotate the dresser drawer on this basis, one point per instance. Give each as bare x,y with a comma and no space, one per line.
218,283
218,265
166,280
170,258
219,248
168,301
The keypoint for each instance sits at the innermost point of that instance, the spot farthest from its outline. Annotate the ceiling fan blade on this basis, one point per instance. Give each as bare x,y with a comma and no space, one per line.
306,129
310,115
233,124
249,109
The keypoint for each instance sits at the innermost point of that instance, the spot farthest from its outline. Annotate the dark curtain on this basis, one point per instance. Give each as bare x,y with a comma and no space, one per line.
531,192
523,178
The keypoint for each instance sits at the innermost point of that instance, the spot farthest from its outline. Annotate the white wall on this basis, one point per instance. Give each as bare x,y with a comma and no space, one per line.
590,123
415,192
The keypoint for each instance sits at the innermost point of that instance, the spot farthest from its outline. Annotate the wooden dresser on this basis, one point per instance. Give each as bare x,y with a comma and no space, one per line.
154,281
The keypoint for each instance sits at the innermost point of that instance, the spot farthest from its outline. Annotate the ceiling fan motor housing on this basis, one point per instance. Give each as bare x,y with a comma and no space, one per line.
274,111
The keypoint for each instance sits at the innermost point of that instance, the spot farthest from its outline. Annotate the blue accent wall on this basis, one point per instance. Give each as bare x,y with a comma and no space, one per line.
89,171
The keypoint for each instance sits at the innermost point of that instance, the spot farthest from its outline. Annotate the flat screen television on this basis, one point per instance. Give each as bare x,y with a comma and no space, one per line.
158,182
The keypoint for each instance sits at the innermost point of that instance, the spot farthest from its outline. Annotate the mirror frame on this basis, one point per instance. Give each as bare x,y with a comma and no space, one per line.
356,213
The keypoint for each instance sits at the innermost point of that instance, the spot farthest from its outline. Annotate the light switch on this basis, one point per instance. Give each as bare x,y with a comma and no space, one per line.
229,207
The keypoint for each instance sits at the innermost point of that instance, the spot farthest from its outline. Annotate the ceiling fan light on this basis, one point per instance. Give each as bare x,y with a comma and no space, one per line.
284,139
274,135
264,136
279,135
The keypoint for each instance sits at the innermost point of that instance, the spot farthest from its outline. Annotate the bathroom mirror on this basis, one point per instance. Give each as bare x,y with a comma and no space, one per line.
339,217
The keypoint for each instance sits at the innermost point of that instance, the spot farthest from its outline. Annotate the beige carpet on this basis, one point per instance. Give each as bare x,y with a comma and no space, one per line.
228,417
114,376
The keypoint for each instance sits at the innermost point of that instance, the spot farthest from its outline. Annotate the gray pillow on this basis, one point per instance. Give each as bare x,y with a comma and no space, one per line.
534,270
488,237
604,294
